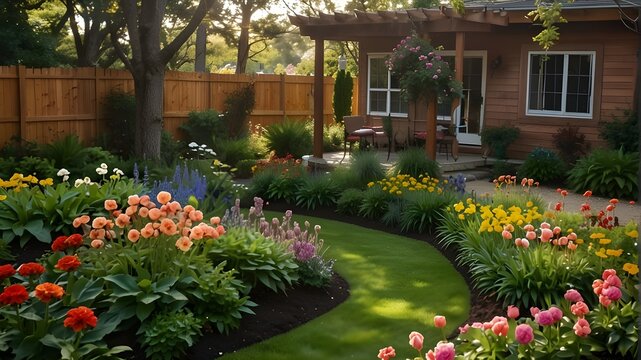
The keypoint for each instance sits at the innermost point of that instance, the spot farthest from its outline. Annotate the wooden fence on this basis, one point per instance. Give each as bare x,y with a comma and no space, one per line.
42,105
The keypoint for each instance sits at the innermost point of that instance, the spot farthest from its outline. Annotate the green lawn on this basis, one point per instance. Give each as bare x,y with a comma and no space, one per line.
397,286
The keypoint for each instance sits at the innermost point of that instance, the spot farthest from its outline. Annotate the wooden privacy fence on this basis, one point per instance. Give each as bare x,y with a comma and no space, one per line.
42,105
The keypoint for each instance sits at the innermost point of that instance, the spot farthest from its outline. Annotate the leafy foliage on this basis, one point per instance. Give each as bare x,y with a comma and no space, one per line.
204,127
285,188
317,191
422,210
316,271
542,165
414,162
289,137
238,106
622,133
499,138
571,144
608,173
349,201
342,101
365,167
120,113
333,136
170,334
232,151
375,203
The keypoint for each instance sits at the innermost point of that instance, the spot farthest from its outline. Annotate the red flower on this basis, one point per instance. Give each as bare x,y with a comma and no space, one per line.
68,263
59,243
47,291
14,295
6,271
74,240
80,318
30,269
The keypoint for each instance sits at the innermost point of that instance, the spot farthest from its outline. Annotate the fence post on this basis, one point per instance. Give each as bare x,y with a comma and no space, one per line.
282,96
22,99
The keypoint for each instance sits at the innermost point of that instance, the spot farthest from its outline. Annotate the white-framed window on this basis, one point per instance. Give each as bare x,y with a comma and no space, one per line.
560,83
383,89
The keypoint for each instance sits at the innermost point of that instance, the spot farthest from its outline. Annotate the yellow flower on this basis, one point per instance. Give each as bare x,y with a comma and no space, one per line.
470,209
430,189
601,253
398,192
597,235
370,184
615,253
47,181
3,197
633,233
605,241
529,204
579,241
460,216
458,207
632,269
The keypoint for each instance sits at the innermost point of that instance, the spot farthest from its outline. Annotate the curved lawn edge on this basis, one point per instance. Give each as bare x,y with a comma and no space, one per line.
397,286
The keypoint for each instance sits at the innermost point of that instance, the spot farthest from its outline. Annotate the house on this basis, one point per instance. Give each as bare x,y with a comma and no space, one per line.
589,75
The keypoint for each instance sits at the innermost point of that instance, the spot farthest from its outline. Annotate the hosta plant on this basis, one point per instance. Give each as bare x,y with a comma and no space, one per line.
317,191
608,173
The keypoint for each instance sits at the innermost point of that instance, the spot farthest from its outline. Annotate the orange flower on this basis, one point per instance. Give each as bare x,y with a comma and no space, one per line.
155,214
184,244
133,200
587,193
68,263
122,220
31,269
59,244
163,197
220,229
147,231
168,227
97,234
143,212
6,271
99,222
215,220
614,201
131,210
97,243
77,222
188,208
80,318
45,292
133,235
14,295
174,206
196,215
196,233
144,200
111,205
74,240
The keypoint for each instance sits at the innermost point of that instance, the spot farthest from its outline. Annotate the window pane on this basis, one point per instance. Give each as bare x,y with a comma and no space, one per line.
546,82
378,101
395,82
397,103
444,107
579,83
378,73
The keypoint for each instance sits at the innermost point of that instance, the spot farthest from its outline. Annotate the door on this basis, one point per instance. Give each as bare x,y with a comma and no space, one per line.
467,118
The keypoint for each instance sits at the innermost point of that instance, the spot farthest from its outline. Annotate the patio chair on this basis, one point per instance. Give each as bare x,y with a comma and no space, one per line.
355,131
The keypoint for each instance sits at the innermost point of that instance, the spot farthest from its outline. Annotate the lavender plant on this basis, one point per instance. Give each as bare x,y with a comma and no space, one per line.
184,184
456,183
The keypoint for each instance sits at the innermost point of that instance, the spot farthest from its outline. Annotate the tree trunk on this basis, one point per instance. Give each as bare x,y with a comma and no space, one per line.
638,100
201,48
243,40
149,112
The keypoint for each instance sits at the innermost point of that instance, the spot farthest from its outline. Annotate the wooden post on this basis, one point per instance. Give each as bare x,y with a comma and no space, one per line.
430,126
22,99
319,60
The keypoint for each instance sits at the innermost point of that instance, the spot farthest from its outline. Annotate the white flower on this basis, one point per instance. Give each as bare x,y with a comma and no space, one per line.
65,178
87,180
63,172
101,171
118,172
210,151
78,182
192,145
203,146
103,166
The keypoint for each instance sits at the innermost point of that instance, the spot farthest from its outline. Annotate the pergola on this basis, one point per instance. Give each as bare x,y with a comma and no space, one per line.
392,24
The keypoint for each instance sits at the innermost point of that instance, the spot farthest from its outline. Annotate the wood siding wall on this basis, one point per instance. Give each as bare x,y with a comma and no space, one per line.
614,92
42,105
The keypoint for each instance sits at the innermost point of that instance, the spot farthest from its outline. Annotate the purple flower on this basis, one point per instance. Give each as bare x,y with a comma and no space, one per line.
303,251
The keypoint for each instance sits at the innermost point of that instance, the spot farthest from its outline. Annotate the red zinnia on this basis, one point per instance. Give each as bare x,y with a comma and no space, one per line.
47,291
68,263
30,269
74,240
6,271
59,244
80,318
14,295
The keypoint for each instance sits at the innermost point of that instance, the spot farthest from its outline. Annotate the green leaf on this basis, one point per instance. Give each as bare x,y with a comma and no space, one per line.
143,311
37,229
125,284
148,298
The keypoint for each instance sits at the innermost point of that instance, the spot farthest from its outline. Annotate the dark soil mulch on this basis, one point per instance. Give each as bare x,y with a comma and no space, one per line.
278,313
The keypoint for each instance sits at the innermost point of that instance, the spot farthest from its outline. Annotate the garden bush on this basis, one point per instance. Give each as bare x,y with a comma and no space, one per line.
622,133
375,203
544,166
120,115
498,139
415,162
232,151
170,334
204,127
289,138
349,201
365,167
317,191
237,107
422,209
285,187
608,173
571,144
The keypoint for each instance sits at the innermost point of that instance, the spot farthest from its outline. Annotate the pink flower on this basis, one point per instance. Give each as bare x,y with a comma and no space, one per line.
582,328
506,235
440,321
573,296
534,310
607,273
557,314
613,293
386,353
442,351
613,280
530,235
464,329
524,334
512,312
604,300
416,340
501,327
597,286
579,309
544,318
546,234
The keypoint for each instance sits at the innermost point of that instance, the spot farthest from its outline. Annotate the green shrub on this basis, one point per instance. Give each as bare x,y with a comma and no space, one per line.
392,216
244,168
350,201
42,168
375,203
543,166
366,167
343,90
571,144
170,149
120,116
317,191
289,137
260,183
608,173
422,209
622,133
237,108
66,153
333,136
257,259
414,162
231,151
498,139
204,127
316,271
285,187
169,335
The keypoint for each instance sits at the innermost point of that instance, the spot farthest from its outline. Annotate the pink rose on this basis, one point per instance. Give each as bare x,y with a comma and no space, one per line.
582,328
613,280
579,309
524,334
512,312
597,286
544,318
386,353
534,310
500,328
442,351
440,321
416,340
607,273
613,293
530,235
573,296
604,300
464,329
557,314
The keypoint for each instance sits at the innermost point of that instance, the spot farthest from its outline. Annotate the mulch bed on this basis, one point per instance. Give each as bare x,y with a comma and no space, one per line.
278,313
